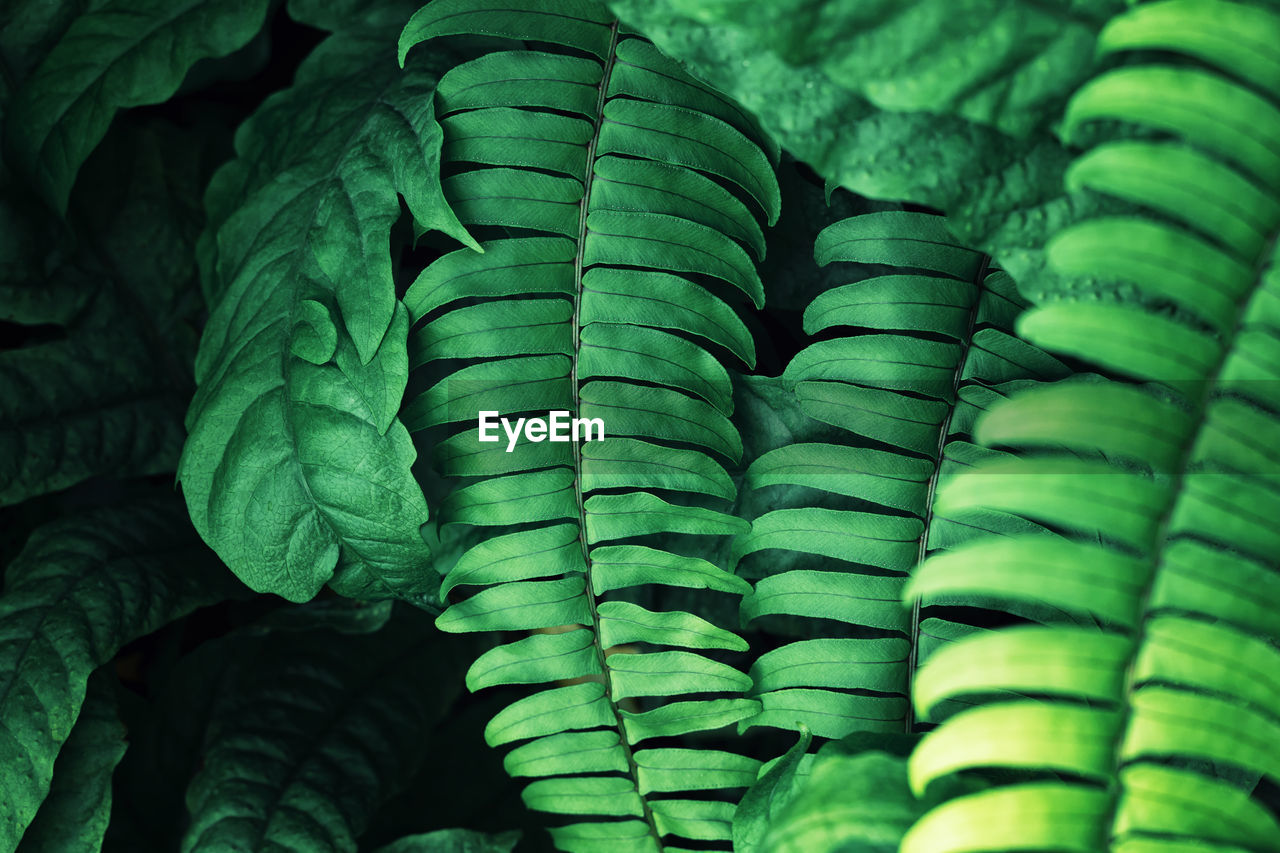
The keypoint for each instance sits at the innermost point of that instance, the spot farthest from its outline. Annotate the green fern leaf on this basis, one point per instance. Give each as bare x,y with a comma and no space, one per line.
929,117
625,202
296,469
118,55
937,336
1172,547
81,589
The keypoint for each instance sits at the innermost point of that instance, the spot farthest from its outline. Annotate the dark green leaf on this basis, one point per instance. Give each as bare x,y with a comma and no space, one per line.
118,55
81,589
73,817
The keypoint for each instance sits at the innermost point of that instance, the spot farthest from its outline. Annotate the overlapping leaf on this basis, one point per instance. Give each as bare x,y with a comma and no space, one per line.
850,797
81,589
315,732
1009,65
296,468
104,396
119,54
73,817
87,405
943,129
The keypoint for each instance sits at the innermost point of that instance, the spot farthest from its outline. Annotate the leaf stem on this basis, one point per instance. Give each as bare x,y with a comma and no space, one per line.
966,344
583,210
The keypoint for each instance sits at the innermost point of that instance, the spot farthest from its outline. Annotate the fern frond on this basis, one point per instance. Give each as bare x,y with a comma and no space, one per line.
934,343
625,202
1161,723
911,101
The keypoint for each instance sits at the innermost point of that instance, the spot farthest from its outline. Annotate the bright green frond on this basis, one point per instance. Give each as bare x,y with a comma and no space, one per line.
1156,717
621,206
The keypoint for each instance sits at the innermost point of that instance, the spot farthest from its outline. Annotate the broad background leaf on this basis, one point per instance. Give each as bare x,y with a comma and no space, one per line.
122,53
83,587
73,818
101,389
316,731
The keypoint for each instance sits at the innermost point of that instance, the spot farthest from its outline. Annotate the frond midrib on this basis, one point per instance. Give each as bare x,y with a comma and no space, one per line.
931,489
576,450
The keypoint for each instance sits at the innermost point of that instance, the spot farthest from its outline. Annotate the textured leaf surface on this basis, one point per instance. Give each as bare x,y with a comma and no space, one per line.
388,15
167,742
859,802
767,797
296,467
81,589
120,54
29,28
937,129
315,733
73,817
91,404
1010,65
105,397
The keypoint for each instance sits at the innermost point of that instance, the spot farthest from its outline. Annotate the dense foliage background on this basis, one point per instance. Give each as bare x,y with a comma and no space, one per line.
937,345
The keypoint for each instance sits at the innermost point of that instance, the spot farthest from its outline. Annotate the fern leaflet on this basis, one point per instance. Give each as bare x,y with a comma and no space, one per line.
1159,724
627,201
936,349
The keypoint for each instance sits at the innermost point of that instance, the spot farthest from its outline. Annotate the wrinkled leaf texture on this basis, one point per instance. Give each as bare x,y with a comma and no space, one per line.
296,469
73,817
996,172
106,395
